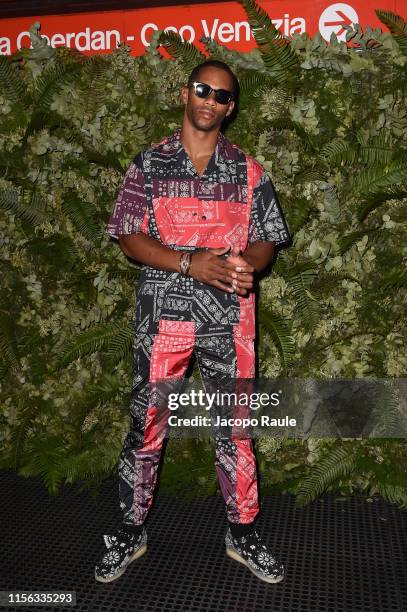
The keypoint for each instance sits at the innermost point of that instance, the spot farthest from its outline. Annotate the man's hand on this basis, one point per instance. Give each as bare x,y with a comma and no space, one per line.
234,275
243,274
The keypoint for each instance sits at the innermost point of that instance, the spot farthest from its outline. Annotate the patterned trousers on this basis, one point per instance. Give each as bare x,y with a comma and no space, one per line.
166,355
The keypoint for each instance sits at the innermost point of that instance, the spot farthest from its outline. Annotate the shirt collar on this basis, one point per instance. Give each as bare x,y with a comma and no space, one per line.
173,144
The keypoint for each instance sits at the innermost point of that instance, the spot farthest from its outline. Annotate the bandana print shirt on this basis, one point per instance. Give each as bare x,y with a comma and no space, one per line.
232,203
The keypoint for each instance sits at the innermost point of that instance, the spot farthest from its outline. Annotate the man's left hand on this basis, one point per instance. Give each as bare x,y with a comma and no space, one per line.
243,275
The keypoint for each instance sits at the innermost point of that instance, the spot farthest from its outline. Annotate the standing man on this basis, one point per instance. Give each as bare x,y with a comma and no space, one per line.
203,218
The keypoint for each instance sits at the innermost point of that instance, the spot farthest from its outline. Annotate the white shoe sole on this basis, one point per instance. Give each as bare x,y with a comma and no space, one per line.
235,555
135,556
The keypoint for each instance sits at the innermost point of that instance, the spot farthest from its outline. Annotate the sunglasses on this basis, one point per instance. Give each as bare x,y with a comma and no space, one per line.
203,90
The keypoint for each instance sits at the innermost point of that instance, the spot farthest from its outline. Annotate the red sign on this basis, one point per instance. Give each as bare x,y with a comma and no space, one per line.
226,23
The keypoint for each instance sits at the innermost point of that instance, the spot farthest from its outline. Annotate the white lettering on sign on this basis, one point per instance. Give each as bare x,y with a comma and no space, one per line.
105,40
5,46
334,17
20,38
247,32
187,28
228,32
109,35
207,32
98,40
146,27
190,37
297,26
224,32
57,39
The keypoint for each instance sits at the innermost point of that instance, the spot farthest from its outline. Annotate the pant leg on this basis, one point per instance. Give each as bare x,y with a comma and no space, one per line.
156,356
219,358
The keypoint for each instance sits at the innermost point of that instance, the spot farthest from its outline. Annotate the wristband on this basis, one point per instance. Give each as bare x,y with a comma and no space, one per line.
185,263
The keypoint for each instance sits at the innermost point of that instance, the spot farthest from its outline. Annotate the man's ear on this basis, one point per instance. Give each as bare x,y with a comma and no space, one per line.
184,94
231,107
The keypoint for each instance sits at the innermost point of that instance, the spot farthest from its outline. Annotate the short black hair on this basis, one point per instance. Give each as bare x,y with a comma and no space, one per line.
221,66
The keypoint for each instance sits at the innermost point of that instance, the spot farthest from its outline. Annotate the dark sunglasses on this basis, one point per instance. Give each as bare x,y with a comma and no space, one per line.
203,90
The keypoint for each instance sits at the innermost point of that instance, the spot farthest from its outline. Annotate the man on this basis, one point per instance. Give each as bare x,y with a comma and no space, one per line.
202,217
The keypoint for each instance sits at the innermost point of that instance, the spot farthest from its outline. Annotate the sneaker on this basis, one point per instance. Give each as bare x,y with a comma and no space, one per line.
250,551
122,549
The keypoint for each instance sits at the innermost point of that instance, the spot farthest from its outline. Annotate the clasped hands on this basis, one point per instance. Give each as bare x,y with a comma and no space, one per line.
233,274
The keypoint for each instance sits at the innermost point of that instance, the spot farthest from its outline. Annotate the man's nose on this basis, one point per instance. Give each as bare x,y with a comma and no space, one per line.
211,99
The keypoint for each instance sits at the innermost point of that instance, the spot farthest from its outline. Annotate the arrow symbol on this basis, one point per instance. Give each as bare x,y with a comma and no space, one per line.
344,20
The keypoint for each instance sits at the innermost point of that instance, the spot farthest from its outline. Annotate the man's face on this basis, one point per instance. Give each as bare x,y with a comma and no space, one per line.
205,113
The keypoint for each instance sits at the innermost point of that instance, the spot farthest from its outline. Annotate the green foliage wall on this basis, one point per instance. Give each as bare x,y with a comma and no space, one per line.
327,121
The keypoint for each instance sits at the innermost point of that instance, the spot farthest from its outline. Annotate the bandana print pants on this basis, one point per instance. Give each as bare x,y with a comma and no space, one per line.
166,355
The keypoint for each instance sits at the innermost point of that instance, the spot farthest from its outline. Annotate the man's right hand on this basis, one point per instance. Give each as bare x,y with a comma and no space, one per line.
207,267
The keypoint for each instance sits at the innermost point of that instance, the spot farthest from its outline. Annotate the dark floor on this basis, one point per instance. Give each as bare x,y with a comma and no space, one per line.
339,555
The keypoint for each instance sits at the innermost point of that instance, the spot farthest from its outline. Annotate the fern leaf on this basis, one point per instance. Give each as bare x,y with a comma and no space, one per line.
278,329
101,391
376,179
377,150
340,462
9,353
278,55
43,457
180,49
396,24
338,151
51,80
393,494
120,345
254,83
26,413
310,175
305,303
86,343
34,213
331,279
82,215
90,465
95,74
11,82
398,192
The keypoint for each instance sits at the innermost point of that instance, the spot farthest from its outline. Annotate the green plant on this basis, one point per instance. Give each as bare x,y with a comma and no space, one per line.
326,121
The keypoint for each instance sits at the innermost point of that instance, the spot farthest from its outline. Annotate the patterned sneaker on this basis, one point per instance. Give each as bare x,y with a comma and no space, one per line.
250,551
122,549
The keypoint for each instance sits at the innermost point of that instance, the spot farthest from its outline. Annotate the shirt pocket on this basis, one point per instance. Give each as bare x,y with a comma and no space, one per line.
225,223
202,223
177,220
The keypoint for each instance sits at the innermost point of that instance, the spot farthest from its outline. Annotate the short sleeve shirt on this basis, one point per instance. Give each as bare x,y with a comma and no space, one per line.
163,196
